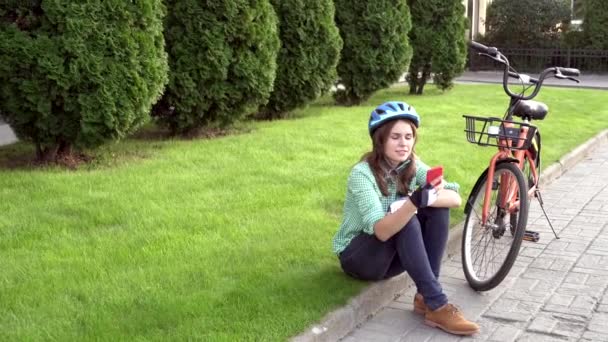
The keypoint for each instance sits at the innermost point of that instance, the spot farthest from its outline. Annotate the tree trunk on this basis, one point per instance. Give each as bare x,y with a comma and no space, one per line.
413,81
39,151
64,150
50,154
47,154
426,72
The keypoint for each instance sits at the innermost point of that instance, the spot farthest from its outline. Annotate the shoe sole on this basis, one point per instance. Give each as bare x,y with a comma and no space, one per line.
435,325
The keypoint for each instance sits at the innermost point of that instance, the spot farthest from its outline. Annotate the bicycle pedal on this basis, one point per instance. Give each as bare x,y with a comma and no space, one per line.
531,236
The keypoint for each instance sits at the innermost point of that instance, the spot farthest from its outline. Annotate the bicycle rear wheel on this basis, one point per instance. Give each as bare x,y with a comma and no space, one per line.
488,252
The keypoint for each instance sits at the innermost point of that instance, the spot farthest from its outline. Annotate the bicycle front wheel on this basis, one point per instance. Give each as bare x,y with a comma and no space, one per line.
489,250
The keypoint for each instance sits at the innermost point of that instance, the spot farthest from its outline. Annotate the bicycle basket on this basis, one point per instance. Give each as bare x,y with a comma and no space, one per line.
498,132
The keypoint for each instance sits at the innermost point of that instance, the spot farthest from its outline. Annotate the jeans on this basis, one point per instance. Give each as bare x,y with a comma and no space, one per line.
417,248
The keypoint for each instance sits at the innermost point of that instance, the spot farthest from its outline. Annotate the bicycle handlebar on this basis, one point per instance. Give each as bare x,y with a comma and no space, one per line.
484,49
569,71
558,72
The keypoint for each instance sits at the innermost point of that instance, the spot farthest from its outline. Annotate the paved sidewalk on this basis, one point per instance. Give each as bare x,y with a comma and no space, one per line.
594,81
557,290
6,134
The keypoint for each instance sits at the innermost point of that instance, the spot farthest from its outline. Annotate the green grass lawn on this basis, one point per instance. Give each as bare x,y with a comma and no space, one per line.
224,239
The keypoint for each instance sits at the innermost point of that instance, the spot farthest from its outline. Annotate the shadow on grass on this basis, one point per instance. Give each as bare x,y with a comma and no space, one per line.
152,132
18,156
21,156
401,92
398,91
141,145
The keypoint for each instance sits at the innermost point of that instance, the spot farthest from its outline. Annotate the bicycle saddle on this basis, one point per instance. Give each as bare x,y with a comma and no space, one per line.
530,109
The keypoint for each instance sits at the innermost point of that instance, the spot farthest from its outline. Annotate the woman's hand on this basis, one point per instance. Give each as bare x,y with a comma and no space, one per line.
439,187
446,198
427,194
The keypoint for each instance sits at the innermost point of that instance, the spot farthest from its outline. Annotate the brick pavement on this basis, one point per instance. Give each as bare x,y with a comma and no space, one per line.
556,291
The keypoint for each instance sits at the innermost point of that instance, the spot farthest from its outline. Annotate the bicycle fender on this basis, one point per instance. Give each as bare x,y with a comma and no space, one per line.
535,150
468,204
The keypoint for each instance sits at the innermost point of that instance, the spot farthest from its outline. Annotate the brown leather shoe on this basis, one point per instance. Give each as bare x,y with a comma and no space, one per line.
419,306
450,319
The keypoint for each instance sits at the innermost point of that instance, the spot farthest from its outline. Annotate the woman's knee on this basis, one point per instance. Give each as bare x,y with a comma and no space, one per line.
412,227
432,211
435,215
365,270
367,258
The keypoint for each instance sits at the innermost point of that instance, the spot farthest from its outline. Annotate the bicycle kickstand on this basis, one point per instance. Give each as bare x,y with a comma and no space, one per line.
540,201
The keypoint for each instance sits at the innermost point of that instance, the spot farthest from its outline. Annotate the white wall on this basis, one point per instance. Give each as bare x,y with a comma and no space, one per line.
478,16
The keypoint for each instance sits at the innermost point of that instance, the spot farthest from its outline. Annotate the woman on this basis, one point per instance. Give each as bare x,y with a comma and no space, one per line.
394,222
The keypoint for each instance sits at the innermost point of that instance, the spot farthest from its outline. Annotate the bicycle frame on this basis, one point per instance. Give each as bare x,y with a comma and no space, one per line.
488,251
508,198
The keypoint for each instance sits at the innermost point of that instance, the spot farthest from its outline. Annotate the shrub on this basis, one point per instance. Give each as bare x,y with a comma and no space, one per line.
376,48
79,73
222,59
595,24
574,39
523,23
310,49
437,36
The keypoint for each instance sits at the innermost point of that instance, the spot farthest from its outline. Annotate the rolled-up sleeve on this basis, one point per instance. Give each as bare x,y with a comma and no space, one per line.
366,197
452,186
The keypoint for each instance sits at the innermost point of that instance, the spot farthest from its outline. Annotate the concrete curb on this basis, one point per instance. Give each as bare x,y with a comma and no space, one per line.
377,295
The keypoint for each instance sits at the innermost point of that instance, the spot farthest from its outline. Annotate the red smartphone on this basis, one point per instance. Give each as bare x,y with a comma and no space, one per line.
434,173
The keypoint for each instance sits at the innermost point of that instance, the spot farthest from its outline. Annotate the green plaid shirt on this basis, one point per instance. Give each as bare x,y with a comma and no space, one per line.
365,205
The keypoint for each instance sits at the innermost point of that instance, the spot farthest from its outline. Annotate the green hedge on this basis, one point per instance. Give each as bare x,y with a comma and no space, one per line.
222,59
524,23
310,49
78,74
376,48
595,24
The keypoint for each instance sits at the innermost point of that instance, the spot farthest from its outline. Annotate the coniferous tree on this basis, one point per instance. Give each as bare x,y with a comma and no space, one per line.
376,49
79,73
310,49
222,61
438,40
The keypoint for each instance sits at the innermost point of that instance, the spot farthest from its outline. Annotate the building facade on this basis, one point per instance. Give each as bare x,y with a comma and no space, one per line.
476,13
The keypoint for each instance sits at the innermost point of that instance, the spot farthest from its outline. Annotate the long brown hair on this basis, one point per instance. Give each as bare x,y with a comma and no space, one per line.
375,158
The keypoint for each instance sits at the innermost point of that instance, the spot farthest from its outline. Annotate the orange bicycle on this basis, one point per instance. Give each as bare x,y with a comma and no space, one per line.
497,208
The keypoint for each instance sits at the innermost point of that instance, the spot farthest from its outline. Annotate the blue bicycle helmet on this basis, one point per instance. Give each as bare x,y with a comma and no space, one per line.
392,110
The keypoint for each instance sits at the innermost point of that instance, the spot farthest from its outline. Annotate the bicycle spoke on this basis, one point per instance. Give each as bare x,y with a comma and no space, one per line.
480,250
490,246
482,233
